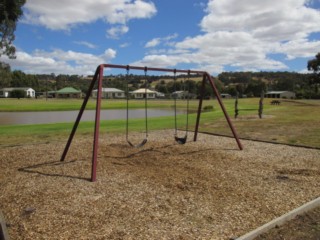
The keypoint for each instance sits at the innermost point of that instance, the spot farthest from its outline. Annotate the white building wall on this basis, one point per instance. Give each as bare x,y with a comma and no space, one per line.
31,93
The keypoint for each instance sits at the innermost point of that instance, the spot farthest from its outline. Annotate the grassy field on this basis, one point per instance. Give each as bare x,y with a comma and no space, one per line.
293,122
31,105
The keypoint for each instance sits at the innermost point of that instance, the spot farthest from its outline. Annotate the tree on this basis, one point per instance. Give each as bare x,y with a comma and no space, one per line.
18,79
5,75
18,93
10,12
254,88
232,90
61,81
161,87
314,65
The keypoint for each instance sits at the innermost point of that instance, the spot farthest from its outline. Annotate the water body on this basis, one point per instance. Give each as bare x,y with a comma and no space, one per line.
14,118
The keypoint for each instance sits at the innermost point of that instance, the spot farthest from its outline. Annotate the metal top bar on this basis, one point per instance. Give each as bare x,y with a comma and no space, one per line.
151,69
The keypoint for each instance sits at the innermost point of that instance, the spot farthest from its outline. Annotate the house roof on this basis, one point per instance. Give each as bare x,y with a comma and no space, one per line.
179,92
16,88
143,90
277,92
68,90
110,90
159,93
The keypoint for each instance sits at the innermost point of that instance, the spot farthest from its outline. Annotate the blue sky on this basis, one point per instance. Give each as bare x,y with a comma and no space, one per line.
74,37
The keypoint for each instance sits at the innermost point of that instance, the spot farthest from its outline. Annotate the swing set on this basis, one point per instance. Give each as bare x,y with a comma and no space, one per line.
98,76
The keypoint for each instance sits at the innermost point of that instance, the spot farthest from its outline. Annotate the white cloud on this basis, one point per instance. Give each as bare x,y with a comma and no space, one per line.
86,44
116,32
246,34
267,20
214,50
63,15
200,4
158,61
157,41
300,48
153,43
124,45
60,62
170,37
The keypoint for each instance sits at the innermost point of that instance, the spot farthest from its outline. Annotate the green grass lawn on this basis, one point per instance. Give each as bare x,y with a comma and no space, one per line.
30,105
293,122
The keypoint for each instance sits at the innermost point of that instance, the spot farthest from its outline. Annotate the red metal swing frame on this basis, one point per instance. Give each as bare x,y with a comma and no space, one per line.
98,76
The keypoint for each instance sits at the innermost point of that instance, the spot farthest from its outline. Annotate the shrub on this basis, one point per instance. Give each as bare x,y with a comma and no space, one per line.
208,108
18,94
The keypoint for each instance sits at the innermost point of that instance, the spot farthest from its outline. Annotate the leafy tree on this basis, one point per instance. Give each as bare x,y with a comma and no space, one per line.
314,65
5,75
224,77
232,90
18,79
208,92
190,86
18,94
161,87
284,84
219,85
240,89
61,81
173,86
10,13
254,88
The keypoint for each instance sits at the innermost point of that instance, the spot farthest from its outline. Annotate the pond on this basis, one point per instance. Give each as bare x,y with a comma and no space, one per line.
13,118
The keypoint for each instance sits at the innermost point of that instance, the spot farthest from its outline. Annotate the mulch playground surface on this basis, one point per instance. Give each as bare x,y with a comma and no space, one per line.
201,190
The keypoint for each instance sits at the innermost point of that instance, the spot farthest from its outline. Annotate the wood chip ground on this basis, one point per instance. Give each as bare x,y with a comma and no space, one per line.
201,190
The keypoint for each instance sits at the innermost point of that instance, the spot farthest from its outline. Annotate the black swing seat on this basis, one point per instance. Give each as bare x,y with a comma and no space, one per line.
181,140
139,145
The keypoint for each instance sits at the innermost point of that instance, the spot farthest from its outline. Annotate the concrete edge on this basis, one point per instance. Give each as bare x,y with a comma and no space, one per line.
3,228
281,220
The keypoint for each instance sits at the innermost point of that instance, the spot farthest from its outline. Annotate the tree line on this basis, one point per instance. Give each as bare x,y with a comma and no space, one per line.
249,84
252,83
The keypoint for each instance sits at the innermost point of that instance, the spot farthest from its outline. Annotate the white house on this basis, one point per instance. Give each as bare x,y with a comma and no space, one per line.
225,95
143,93
160,95
5,92
180,94
109,93
280,94
68,92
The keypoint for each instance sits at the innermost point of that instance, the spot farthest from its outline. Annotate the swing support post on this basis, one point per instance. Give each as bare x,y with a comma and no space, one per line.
99,77
215,90
75,126
96,128
199,108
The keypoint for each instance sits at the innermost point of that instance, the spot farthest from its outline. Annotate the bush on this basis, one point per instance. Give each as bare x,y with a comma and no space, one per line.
18,94
208,108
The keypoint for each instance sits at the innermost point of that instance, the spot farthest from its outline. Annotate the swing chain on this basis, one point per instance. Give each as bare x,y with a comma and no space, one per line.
180,140
146,100
146,112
